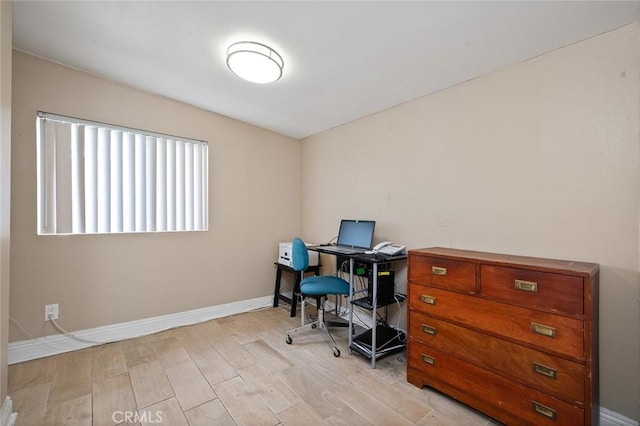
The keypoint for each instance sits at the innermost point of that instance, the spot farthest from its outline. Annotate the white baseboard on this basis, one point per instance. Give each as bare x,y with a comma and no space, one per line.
610,418
41,347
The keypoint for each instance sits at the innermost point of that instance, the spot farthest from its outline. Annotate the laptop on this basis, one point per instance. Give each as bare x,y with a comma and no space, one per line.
354,237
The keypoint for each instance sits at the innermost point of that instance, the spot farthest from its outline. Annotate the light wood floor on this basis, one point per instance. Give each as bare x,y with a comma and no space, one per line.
234,370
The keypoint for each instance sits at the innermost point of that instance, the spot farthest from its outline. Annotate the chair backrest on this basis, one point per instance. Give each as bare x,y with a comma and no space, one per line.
300,255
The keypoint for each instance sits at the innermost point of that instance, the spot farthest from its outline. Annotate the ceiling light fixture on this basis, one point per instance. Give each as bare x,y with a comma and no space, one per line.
254,62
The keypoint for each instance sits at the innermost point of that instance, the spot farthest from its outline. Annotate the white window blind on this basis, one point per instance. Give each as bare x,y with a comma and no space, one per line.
99,178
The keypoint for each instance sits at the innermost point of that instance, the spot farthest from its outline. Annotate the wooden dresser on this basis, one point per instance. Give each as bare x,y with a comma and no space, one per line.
514,337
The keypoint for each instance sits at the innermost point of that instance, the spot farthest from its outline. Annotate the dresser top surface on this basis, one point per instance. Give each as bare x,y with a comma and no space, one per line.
542,264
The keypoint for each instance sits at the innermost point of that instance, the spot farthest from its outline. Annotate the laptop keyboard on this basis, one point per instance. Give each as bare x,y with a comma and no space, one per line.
344,250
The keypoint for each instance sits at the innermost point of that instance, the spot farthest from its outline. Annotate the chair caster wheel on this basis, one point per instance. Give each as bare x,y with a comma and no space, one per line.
288,340
314,325
336,352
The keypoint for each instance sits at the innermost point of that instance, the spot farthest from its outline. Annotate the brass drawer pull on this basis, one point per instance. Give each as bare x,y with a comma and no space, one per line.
428,329
429,300
437,270
545,371
543,410
529,286
544,330
428,359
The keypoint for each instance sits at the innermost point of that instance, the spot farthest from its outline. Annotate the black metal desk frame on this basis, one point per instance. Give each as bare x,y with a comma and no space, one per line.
375,261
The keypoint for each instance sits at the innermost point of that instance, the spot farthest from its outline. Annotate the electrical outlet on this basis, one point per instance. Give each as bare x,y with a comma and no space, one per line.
51,312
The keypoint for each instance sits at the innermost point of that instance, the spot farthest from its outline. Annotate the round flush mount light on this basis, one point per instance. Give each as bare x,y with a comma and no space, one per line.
254,62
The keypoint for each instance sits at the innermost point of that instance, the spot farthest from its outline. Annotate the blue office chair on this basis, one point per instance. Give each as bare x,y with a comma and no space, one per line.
316,286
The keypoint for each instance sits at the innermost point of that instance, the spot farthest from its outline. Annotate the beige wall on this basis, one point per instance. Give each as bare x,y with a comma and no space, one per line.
6,13
537,159
105,279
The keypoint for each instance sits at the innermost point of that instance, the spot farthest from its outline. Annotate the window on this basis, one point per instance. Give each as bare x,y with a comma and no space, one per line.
99,178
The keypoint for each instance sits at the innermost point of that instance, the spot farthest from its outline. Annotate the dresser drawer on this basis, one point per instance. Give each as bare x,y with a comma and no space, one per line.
549,332
563,293
474,384
559,376
443,273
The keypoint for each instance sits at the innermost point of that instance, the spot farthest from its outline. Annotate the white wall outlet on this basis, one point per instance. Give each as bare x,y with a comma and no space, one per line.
51,312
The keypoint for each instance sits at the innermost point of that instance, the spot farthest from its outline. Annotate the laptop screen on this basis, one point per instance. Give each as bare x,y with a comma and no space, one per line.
356,233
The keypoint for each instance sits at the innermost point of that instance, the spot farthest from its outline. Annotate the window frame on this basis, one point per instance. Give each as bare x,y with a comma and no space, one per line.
85,158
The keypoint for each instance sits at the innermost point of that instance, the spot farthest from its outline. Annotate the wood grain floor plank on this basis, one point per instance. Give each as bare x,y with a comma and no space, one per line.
241,327
77,412
345,416
390,370
300,414
233,352
150,384
242,403
193,340
108,361
191,388
138,351
211,364
220,334
394,397
269,358
166,412
31,373
73,376
11,374
273,392
208,414
448,411
310,387
370,408
110,395
170,352
74,412
31,404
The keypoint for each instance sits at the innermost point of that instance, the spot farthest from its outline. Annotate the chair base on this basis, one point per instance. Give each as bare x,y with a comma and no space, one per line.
318,323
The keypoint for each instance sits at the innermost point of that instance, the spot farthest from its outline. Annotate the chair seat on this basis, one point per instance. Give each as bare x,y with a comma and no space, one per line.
323,285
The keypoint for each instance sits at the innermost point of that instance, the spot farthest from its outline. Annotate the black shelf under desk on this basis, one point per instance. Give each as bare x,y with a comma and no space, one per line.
363,302
388,340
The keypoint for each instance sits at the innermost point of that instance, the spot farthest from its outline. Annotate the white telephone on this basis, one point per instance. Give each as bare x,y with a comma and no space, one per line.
388,248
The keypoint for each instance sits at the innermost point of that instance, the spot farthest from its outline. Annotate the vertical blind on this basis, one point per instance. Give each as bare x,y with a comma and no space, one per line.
99,178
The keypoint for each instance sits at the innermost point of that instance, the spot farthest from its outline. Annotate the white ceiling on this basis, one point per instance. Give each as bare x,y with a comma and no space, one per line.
343,60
